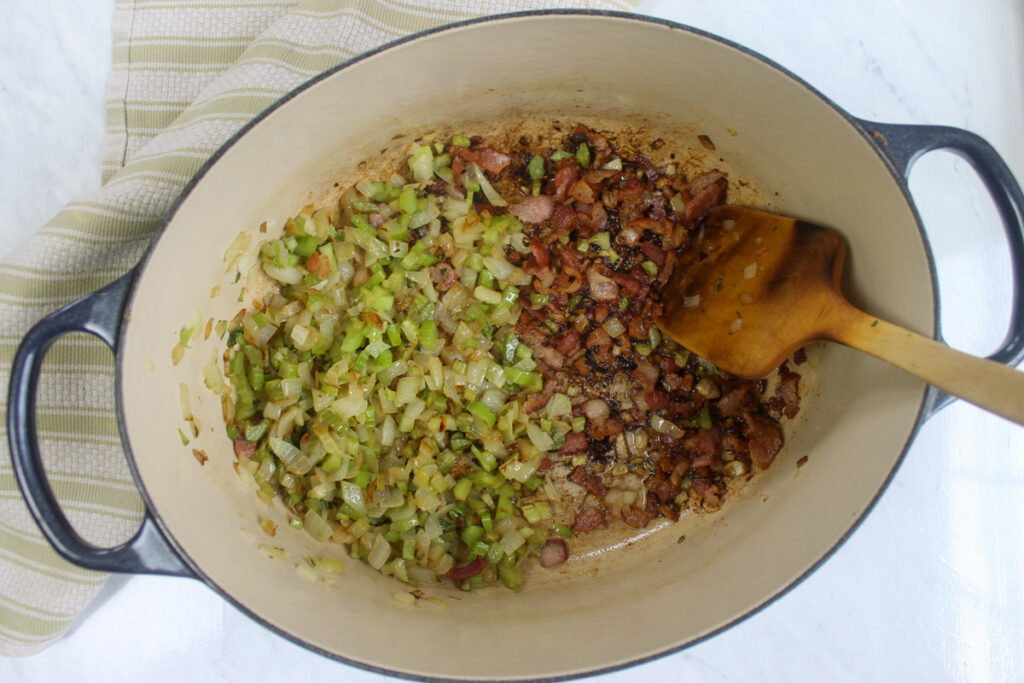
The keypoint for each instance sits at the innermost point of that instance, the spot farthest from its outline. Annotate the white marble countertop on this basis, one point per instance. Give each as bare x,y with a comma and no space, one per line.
929,588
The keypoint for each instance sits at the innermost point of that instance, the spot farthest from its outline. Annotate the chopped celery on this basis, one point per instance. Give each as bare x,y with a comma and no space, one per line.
583,154
472,535
702,420
512,577
428,335
305,245
536,167
462,488
481,411
255,432
407,200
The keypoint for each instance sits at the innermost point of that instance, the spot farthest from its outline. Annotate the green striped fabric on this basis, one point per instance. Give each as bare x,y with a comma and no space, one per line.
186,75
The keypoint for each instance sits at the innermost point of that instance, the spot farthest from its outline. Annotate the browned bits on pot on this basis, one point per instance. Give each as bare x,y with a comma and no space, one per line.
269,527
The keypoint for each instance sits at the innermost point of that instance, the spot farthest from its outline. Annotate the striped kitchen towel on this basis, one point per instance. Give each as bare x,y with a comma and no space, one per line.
186,75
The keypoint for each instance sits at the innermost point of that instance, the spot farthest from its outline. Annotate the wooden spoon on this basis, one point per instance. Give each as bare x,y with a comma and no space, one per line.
756,286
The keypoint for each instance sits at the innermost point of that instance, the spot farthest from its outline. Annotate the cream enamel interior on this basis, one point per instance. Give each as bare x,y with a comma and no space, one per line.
606,610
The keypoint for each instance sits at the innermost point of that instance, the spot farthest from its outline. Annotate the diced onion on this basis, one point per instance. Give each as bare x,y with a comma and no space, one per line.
621,449
421,163
559,406
183,402
511,541
636,441
407,389
404,598
393,371
323,491
518,470
541,440
596,409
499,267
213,378
349,406
331,565
412,411
273,552
432,527
236,249
294,459
660,424
487,295
493,399
614,327
264,334
387,432
316,526
353,496
492,195
678,204
380,552
289,275
291,386
691,301
306,572
477,371
707,388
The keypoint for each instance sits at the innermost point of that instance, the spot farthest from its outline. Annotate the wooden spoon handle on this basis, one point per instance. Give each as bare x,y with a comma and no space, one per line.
985,383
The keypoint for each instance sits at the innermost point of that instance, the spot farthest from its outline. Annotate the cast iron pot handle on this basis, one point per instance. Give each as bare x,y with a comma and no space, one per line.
904,144
98,314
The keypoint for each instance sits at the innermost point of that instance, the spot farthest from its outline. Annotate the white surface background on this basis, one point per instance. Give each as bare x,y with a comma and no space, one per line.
930,588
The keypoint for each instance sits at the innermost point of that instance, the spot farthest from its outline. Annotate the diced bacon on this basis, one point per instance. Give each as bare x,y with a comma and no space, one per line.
765,438
705,192
533,209
444,275
539,258
653,253
541,398
635,517
553,553
568,343
487,158
587,519
582,192
591,482
564,179
244,448
468,571
602,287
575,442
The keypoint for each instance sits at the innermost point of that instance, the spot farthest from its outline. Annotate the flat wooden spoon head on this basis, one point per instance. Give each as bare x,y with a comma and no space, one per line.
752,289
